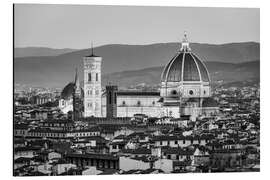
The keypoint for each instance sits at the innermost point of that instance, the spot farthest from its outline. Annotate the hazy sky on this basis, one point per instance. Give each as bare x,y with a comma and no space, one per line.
75,26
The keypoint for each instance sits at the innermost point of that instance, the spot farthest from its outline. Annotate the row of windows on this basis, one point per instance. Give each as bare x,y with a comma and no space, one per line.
56,124
87,134
90,77
38,134
90,105
176,142
138,103
90,92
190,92
169,156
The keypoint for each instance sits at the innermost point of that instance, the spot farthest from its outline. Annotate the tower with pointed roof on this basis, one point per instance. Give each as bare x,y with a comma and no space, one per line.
77,98
92,85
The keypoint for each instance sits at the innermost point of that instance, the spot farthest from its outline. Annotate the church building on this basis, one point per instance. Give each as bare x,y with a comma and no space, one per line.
184,90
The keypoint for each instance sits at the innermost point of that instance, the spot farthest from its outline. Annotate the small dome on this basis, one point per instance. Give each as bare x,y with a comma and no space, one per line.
67,91
185,66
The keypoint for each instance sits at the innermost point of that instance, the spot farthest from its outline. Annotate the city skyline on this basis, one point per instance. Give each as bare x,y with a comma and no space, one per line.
71,26
135,109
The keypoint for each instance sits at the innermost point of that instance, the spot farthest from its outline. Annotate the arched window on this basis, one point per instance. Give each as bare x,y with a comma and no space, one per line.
110,97
123,103
89,77
96,76
115,98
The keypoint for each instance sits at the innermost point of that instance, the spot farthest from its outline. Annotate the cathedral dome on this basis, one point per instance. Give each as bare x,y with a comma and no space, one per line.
67,91
185,66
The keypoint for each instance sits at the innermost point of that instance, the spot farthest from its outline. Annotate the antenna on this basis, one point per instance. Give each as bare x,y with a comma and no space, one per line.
76,75
92,49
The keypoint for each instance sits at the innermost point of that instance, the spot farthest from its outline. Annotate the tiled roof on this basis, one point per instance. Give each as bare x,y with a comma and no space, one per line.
137,151
28,148
93,156
179,151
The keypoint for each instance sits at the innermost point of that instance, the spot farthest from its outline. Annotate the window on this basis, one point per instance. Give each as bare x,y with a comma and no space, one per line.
191,92
110,97
184,141
160,143
153,103
138,103
174,92
89,77
96,76
89,92
123,103
175,142
115,98
169,156
96,106
89,104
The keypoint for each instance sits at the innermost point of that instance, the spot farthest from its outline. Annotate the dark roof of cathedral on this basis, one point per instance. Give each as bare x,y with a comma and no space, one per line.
185,66
138,93
209,102
67,91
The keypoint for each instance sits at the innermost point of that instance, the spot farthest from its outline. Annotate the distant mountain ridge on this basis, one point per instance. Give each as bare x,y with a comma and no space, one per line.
226,72
58,70
40,51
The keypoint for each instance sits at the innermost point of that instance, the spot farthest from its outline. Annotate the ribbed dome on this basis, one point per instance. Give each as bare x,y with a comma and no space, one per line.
193,70
185,66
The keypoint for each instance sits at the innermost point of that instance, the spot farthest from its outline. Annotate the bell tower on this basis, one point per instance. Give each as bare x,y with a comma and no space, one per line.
92,85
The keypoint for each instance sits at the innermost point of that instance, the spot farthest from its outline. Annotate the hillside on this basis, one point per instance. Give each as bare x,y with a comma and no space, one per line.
56,71
39,51
226,72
